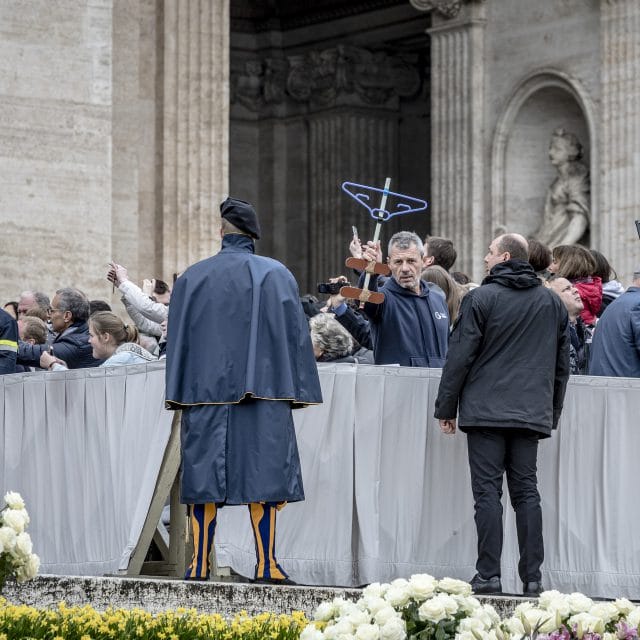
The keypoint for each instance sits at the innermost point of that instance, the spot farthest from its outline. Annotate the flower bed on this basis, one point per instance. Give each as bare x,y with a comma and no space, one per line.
423,608
85,623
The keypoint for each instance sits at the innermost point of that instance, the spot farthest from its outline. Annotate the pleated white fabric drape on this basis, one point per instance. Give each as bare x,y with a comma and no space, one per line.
388,495
84,448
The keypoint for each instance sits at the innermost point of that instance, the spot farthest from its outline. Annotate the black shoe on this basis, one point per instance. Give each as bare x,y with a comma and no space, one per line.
481,586
532,589
286,581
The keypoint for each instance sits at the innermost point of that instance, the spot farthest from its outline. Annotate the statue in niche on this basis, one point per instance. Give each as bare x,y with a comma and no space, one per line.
566,210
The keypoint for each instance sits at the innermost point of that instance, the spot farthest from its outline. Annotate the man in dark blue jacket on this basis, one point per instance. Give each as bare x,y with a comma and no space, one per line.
411,326
505,376
8,343
69,315
616,339
239,359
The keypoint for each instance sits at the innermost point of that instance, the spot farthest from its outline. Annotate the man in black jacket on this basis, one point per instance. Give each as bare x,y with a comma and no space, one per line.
69,315
505,375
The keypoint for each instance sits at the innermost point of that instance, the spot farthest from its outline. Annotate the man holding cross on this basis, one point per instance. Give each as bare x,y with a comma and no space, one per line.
411,326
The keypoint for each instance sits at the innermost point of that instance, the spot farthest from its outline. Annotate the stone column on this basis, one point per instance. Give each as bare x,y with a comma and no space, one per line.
457,120
353,146
615,233
195,129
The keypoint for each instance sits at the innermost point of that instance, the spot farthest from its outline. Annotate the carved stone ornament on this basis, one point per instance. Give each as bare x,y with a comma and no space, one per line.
446,8
318,77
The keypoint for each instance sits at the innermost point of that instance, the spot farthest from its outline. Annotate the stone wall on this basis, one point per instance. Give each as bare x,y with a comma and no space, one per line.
56,67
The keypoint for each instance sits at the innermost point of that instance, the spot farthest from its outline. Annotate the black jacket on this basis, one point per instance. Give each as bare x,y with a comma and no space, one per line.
508,360
72,346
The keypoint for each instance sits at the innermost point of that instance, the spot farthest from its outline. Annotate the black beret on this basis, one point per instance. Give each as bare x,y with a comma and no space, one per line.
241,215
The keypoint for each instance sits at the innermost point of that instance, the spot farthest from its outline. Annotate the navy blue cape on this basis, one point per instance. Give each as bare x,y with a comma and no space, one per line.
236,328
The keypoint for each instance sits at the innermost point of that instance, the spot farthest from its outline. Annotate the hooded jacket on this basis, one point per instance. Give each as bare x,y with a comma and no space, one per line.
508,360
409,329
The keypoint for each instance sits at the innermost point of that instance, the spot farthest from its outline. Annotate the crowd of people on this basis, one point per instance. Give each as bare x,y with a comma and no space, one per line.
38,332
240,344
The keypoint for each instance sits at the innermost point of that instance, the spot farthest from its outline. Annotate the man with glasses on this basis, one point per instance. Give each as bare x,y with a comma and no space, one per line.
69,312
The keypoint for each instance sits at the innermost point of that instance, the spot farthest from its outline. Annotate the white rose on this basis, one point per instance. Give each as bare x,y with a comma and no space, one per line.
324,612
606,611
459,587
422,586
449,603
368,632
432,610
341,628
385,614
633,619
375,589
311,632
515,627
468,604
358,617
393,629
7,538
344,607
467,635
14,500
399,582
16,519
23,544
547,597
373,604
586,623
624,606
609,636
578,602
398,595
470,625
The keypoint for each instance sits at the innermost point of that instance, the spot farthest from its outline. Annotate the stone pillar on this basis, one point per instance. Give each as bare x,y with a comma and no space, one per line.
615,232
354,146
457,119
195,130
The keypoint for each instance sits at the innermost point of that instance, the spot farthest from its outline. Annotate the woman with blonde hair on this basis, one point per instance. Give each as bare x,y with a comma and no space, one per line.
112,340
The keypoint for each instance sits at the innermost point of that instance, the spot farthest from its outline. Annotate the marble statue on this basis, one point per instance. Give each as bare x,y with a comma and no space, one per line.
566,209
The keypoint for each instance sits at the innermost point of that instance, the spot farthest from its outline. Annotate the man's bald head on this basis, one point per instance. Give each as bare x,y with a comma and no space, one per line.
514,244
508,246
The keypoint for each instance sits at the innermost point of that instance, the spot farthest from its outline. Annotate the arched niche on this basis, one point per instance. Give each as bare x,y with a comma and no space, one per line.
522,171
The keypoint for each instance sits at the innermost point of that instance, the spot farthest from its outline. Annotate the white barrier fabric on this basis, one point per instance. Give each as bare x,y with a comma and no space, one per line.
84,448
387,494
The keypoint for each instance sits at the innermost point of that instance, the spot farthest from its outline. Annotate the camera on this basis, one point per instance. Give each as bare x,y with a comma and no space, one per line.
330,288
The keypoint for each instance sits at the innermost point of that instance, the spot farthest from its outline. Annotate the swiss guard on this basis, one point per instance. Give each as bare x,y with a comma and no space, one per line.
239,359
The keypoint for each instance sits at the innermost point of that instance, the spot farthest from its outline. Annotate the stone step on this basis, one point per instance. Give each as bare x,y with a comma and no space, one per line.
155,595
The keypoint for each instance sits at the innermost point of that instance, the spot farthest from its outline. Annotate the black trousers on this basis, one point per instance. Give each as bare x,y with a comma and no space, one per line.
493,451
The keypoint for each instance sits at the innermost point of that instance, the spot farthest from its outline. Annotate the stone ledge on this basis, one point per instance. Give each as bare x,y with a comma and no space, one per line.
155,595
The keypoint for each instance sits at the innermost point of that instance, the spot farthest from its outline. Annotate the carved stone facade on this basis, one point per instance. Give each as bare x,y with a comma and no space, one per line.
305,118
152,112
510,85
317,78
